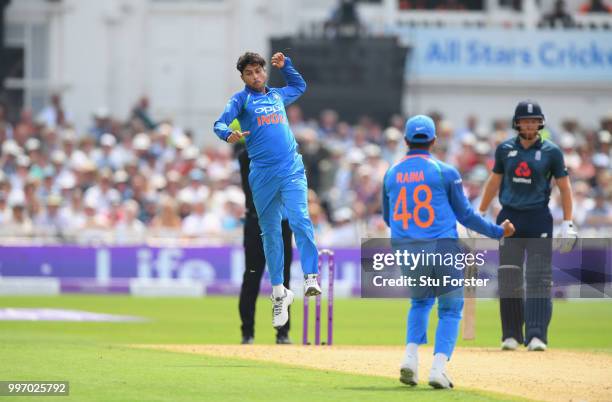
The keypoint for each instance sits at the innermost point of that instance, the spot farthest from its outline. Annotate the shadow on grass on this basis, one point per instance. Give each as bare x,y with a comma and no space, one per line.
399,388
213,366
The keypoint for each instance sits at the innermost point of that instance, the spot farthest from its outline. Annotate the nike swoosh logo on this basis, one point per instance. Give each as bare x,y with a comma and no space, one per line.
257,101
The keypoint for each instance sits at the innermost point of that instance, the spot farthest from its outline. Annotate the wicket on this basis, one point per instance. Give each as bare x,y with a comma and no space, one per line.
330,302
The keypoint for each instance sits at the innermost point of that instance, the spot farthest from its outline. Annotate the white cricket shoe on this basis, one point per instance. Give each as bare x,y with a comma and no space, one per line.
280,309
536,345
509,344
438,379
311,285
409,370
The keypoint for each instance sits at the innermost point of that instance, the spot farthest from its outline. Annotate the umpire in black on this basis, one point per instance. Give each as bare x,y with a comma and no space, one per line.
524,167
255,260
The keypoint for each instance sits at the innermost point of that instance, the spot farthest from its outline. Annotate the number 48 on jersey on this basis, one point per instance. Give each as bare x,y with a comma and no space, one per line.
401,213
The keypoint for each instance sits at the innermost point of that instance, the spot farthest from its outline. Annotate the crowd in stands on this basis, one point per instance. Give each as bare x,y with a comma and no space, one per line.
559,8
143,180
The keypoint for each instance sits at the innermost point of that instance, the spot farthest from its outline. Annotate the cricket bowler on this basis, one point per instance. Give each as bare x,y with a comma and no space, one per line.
277,176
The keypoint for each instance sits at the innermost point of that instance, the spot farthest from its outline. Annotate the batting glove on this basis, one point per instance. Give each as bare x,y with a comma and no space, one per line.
568,237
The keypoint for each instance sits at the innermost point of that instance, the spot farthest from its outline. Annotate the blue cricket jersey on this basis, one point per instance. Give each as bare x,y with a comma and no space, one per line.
423,199
271,142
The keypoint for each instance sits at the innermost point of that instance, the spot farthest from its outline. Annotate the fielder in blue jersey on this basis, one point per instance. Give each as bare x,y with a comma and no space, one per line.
277,176
423,199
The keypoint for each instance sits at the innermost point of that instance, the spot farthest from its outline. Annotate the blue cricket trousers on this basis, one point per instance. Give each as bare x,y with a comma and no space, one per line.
276,189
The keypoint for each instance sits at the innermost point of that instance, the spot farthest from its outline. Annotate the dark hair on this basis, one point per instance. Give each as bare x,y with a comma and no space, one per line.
249,58
420,145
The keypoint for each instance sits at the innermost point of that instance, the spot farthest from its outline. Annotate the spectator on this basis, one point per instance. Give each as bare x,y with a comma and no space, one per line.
102,123
398,122
4,210
167,222
22,172
558,17
51,222
106,157
196,188
148,209
595,6
37,161
328,122
121,184
572,158
10,151
25,127
173,178
6,129
150,167
101,194
600,214
296,118
345,232
32,202
130,230
92,227
5,186
115,213
312,154
54,115
141,113
18,223
374,160
201,224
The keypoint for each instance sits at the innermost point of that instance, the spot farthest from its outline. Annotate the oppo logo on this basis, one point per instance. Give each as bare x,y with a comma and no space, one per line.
269,109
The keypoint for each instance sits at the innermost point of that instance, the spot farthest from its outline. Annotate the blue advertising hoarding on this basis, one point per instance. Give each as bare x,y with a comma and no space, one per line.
509,55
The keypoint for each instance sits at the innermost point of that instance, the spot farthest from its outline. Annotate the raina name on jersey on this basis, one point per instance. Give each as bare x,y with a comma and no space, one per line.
409,177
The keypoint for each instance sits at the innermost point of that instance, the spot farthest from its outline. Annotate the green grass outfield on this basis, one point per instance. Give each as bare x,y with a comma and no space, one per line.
94,358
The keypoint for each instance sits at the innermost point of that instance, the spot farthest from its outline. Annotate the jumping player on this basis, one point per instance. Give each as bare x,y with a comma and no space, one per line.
277,176
423,199
522,173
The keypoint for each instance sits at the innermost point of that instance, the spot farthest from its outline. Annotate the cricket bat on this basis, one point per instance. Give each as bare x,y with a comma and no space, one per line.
469,305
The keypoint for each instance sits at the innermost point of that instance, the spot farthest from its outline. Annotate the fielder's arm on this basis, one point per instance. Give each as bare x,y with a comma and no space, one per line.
385,202
296,85
222,125
463,210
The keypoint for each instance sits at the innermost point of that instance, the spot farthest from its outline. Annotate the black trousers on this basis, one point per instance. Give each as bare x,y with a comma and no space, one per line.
255,263
531,305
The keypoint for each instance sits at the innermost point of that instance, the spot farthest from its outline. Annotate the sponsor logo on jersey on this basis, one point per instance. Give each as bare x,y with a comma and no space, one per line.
268,109
512,153
523,173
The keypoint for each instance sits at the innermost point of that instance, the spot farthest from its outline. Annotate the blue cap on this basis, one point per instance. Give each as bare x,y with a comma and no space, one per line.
420,129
